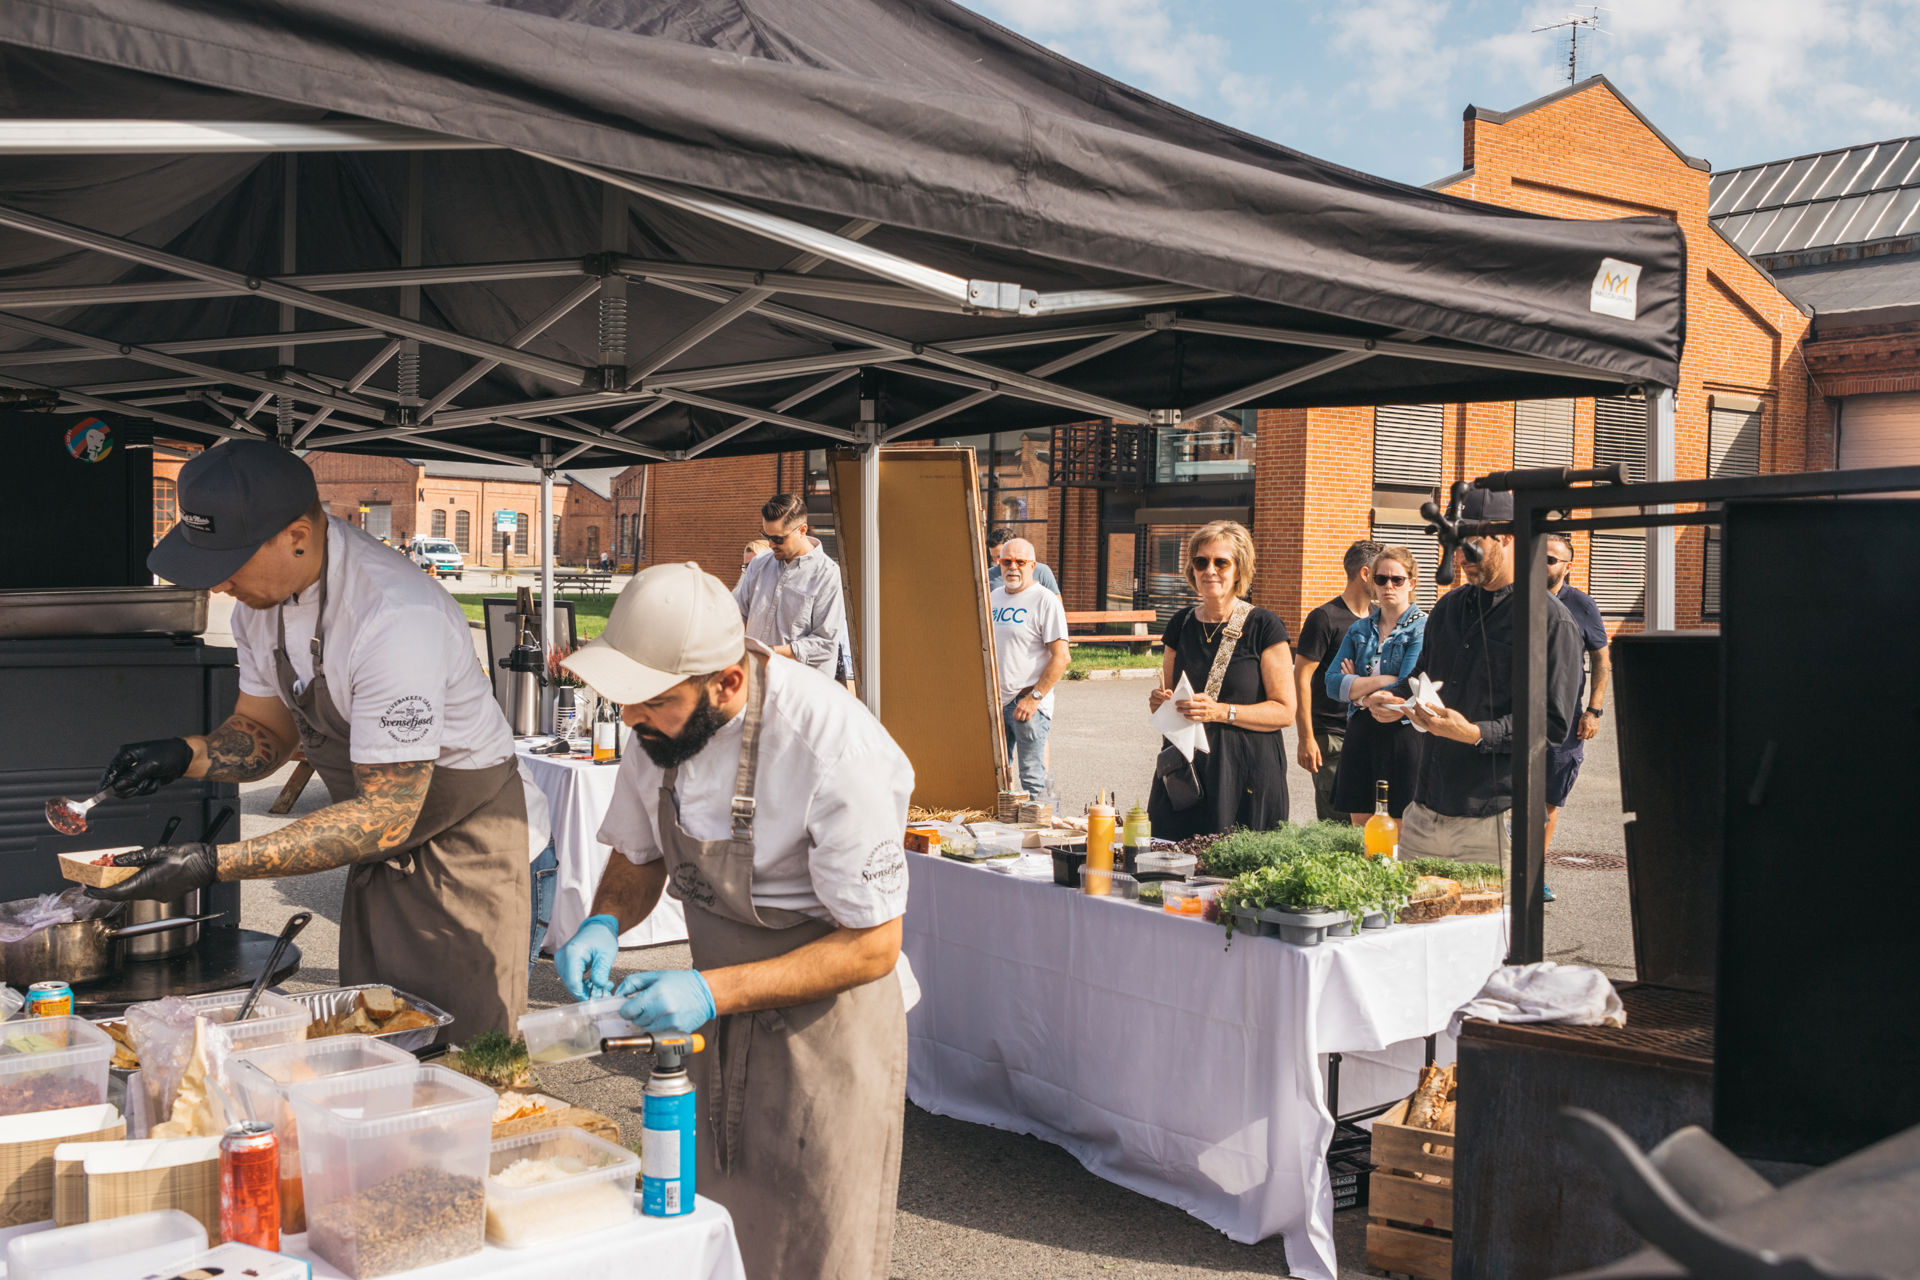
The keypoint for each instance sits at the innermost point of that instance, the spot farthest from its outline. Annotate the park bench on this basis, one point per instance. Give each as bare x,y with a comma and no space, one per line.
1138,637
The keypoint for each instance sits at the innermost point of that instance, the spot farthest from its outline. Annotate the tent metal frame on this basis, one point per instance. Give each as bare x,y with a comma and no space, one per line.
357,413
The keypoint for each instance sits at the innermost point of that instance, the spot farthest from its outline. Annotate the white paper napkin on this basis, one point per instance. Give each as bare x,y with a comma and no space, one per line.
1176,728
1426,693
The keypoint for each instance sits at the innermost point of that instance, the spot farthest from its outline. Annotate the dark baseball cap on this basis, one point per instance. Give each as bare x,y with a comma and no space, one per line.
233,499
1486,504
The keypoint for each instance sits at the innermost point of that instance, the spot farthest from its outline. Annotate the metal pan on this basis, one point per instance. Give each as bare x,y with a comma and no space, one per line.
325,1003
78,951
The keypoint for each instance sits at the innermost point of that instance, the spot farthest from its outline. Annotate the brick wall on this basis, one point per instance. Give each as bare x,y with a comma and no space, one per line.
706,510
586,524
347,480
629,491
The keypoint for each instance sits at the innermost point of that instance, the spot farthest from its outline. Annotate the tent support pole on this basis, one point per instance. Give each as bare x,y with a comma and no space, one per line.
1659,608
870,559
546,548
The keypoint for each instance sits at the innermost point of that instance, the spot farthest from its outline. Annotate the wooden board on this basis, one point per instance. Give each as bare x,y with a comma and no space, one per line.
1398,1197
938,685
1414,1253
560,1117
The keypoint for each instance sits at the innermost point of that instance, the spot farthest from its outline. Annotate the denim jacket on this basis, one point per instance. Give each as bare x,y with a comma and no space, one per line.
1398,655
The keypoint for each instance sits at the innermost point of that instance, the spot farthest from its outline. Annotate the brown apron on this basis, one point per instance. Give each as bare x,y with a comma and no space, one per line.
801,1109
447,917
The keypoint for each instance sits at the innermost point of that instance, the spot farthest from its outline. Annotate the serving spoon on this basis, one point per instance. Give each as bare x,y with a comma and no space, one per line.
69,817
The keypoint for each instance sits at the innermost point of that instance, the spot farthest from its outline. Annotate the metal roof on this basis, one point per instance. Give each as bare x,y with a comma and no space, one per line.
1849,196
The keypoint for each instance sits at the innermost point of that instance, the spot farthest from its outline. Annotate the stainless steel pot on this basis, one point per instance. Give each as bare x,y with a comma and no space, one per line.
79,951
164,943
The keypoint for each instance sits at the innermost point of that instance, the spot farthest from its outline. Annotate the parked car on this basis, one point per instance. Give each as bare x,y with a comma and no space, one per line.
437,556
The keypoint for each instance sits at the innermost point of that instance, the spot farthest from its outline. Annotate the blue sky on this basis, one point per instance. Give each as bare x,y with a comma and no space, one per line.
1380,84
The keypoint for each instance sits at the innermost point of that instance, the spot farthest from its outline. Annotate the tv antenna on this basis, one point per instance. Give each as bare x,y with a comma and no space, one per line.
1574,24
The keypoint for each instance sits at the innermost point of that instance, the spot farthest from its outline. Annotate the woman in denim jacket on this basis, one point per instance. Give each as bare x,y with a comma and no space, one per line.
1379,652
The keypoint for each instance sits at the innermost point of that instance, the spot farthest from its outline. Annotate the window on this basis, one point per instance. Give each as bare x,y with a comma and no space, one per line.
463,530
1542,434
1733,436
1426,549
520,534
1710,575
377,518
437,523
166,506
1617,573
593,543
1406,445
1620,434
1219,446
1013,484
818,481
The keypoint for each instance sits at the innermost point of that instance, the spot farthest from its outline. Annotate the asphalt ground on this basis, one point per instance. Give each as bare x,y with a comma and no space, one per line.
976,1201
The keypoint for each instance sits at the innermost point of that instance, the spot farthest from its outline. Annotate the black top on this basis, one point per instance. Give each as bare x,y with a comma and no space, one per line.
1194,644
1320,639
1469,646
1593,630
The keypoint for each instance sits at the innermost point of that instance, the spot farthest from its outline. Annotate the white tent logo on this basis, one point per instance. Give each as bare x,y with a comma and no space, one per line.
1616,289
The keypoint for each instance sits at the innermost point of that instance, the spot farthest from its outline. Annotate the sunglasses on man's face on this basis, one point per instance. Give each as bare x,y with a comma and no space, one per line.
1389,579
1559,560
1220,563
776,539
1013,562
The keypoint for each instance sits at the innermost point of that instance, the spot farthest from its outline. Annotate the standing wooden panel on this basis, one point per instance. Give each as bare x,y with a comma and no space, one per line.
939,689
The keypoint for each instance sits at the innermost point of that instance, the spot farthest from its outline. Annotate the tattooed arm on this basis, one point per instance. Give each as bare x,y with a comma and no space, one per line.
254,741
372,824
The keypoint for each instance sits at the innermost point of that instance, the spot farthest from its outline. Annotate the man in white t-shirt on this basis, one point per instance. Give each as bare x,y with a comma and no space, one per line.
1030,647
772,806
348,651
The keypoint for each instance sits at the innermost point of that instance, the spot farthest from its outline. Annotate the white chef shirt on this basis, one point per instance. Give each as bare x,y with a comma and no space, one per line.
830,802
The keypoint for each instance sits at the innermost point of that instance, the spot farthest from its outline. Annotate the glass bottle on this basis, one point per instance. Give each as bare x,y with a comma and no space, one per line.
606,731
1382,833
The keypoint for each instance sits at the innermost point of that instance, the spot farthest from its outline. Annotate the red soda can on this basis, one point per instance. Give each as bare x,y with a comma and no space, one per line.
250,1186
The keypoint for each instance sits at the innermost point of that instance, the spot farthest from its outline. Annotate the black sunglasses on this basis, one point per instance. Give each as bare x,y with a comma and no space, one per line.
1220,563
1383,579
1559,559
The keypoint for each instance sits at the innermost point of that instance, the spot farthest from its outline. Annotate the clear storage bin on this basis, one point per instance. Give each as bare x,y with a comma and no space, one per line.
393,1162
589,1187
573,1030
50,1063
129,1246
1108,884
263,1081
274,1020
1184,898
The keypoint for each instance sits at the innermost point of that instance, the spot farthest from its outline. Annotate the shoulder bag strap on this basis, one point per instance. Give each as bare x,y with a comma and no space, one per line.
1229,639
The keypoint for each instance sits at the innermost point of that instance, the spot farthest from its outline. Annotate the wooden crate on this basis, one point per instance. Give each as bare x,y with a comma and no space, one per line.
1410,1199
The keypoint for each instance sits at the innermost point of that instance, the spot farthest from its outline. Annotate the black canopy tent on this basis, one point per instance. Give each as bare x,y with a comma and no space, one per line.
853,220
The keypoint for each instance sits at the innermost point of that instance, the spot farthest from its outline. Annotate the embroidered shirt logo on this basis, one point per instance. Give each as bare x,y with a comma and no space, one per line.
407,719
886,868
1616,289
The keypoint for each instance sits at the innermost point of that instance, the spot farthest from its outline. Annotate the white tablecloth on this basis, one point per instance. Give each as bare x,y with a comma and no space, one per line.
578,792
1126,1036
699,1246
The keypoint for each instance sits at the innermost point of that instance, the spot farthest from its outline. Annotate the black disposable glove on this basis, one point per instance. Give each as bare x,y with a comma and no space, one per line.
168,871
142,768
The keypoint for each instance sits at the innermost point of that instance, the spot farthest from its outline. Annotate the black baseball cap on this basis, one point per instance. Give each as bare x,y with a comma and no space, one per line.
233,499
1486,504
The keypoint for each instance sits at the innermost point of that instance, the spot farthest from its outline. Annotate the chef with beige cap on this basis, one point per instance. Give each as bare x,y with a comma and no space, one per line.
772,806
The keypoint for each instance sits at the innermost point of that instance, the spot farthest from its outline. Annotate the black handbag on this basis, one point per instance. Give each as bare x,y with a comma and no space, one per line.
1178,779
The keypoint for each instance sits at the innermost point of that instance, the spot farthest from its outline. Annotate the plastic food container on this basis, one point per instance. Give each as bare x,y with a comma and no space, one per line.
590,1187
274,1020
1302,928
1185,899
573,1030
1163,866
263,1081
50,1063
136,1245
393,1162
1096,883
1066,866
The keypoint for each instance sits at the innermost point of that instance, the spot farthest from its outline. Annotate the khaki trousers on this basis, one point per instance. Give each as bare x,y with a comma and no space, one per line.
1426,834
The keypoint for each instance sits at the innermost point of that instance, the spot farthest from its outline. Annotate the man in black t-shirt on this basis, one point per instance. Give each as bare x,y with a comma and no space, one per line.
1324,733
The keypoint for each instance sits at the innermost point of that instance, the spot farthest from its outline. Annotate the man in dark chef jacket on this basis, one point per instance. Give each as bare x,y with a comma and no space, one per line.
347,650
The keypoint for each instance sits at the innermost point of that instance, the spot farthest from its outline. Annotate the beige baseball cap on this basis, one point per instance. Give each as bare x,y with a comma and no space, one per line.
671,622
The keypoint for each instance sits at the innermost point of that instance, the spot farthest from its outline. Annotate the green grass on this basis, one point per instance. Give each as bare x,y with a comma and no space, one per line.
589,611
1098,657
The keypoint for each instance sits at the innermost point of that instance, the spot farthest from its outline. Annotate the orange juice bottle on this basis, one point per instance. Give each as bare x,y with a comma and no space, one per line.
1100,846
1382,833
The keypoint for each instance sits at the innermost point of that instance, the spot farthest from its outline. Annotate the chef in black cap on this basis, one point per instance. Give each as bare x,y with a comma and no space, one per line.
347,650
1464,790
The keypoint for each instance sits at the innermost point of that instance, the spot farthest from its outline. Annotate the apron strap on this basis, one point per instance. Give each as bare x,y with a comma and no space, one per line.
742,807
317,645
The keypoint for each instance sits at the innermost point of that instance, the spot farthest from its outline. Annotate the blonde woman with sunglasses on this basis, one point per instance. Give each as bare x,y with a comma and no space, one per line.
1242,777
1379,652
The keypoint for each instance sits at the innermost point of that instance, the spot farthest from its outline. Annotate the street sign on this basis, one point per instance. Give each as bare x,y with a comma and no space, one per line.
506,521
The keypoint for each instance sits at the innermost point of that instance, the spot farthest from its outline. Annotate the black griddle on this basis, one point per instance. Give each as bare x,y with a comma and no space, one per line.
224,959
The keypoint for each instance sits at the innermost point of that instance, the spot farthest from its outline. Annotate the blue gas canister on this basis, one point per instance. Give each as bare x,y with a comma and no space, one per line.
667,1175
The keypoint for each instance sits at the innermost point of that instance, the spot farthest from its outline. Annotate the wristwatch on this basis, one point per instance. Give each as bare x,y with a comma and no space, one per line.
1596,711
1232,711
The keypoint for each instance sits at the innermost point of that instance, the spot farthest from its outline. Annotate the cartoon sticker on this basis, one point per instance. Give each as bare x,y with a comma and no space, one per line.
90,440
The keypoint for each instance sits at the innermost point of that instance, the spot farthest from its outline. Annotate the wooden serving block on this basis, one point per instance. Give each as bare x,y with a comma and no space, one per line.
559,1115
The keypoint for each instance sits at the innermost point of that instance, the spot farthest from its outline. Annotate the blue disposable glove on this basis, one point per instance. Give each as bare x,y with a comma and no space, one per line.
585,961
667,1000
